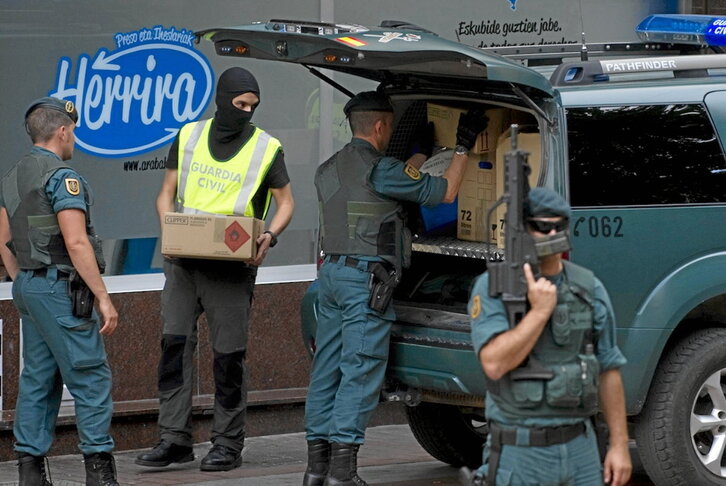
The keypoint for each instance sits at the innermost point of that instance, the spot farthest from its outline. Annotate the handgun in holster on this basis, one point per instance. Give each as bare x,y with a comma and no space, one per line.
81,296
383,282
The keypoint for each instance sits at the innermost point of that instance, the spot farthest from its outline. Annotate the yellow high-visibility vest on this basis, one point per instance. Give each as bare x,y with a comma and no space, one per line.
206,185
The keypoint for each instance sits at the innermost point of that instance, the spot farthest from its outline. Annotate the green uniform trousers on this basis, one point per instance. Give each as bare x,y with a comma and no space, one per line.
351,356
59,348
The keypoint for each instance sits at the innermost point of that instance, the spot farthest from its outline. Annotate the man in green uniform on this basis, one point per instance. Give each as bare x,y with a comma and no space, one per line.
540,429
365,241
46,238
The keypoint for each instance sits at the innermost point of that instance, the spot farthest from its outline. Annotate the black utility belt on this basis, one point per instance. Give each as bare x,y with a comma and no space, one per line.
383,280
353,262
43,272
537,436
82,299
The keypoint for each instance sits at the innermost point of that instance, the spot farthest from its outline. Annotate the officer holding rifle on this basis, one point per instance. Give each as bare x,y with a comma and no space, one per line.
543,329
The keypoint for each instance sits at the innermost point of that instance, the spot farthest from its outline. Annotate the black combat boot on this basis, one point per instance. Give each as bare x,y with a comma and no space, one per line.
344,466
165,453
318,462
100,469
32,472
221,458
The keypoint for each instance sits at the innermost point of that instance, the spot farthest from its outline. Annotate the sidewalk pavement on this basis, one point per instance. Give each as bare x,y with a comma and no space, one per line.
390,456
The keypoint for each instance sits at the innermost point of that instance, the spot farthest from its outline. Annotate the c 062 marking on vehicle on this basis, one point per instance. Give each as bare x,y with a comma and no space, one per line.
599,226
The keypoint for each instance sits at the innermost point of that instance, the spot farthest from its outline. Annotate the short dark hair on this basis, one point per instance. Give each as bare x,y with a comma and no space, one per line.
42,123
362,122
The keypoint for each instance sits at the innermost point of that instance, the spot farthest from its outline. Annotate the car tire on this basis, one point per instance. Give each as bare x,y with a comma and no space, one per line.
681,432
448,434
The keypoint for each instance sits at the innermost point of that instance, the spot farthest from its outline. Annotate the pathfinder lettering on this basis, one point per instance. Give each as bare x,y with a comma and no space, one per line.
622,67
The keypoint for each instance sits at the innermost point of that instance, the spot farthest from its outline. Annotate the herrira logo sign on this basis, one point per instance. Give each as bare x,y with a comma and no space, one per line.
136,98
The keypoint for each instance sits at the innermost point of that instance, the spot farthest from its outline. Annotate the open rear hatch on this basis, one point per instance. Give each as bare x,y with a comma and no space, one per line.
429,79
394,56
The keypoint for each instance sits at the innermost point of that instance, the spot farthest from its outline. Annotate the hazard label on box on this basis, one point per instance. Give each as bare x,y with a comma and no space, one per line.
235,236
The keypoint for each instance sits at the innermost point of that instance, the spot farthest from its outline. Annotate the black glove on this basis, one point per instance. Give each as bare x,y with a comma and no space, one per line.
422,140
471,124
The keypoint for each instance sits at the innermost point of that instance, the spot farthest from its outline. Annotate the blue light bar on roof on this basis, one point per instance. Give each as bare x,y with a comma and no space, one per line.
683,29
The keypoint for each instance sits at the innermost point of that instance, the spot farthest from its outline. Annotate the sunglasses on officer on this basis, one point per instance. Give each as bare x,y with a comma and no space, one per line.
545,227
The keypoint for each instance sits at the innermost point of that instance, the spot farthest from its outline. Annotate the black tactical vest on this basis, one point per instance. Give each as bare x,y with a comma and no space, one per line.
354,219
566,347
37,241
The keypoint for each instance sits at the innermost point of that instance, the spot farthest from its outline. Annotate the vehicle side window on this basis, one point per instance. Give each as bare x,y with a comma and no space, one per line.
644,155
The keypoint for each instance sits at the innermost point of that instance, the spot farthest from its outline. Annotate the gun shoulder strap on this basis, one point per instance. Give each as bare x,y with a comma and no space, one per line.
581,280
582,283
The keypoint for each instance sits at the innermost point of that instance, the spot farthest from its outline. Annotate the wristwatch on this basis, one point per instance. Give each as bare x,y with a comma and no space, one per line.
461,150
273,241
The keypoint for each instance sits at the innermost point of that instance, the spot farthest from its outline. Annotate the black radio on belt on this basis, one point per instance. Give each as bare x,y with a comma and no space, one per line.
81,296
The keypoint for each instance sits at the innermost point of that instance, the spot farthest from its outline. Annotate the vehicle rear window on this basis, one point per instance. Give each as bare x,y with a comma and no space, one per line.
644,155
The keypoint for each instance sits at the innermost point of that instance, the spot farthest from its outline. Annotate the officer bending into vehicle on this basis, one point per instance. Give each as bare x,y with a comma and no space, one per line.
366,245
540,429
52,254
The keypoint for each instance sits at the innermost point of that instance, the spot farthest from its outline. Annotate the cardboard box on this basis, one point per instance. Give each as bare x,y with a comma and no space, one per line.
210,237
529,142
476,195
446,121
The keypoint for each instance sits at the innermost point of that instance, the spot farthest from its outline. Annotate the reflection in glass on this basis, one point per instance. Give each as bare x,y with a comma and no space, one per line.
644,155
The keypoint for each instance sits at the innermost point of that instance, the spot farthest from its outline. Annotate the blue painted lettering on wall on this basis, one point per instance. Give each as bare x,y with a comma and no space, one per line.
134,99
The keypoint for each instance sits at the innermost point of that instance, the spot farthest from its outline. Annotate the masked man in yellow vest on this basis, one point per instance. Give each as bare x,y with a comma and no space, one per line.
224,165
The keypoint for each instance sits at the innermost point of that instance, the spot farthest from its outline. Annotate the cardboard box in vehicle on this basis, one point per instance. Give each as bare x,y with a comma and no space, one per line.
446,121
529,142
476,194
210,237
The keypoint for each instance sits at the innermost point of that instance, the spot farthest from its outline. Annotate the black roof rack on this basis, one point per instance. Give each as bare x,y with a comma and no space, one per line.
553,54
600,70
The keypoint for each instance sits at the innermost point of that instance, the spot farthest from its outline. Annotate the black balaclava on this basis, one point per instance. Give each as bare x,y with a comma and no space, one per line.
228,120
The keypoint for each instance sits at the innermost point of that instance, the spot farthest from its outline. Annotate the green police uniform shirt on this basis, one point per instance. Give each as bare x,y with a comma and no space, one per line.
65,190
400,181
489,319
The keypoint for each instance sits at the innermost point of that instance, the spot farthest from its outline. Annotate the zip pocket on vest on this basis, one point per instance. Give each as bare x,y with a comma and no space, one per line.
527,393
574,384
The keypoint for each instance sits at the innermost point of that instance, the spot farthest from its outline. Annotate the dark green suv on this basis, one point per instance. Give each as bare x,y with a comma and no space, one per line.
646,176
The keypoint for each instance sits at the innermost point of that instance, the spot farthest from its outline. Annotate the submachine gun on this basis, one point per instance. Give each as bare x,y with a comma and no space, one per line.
506,278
